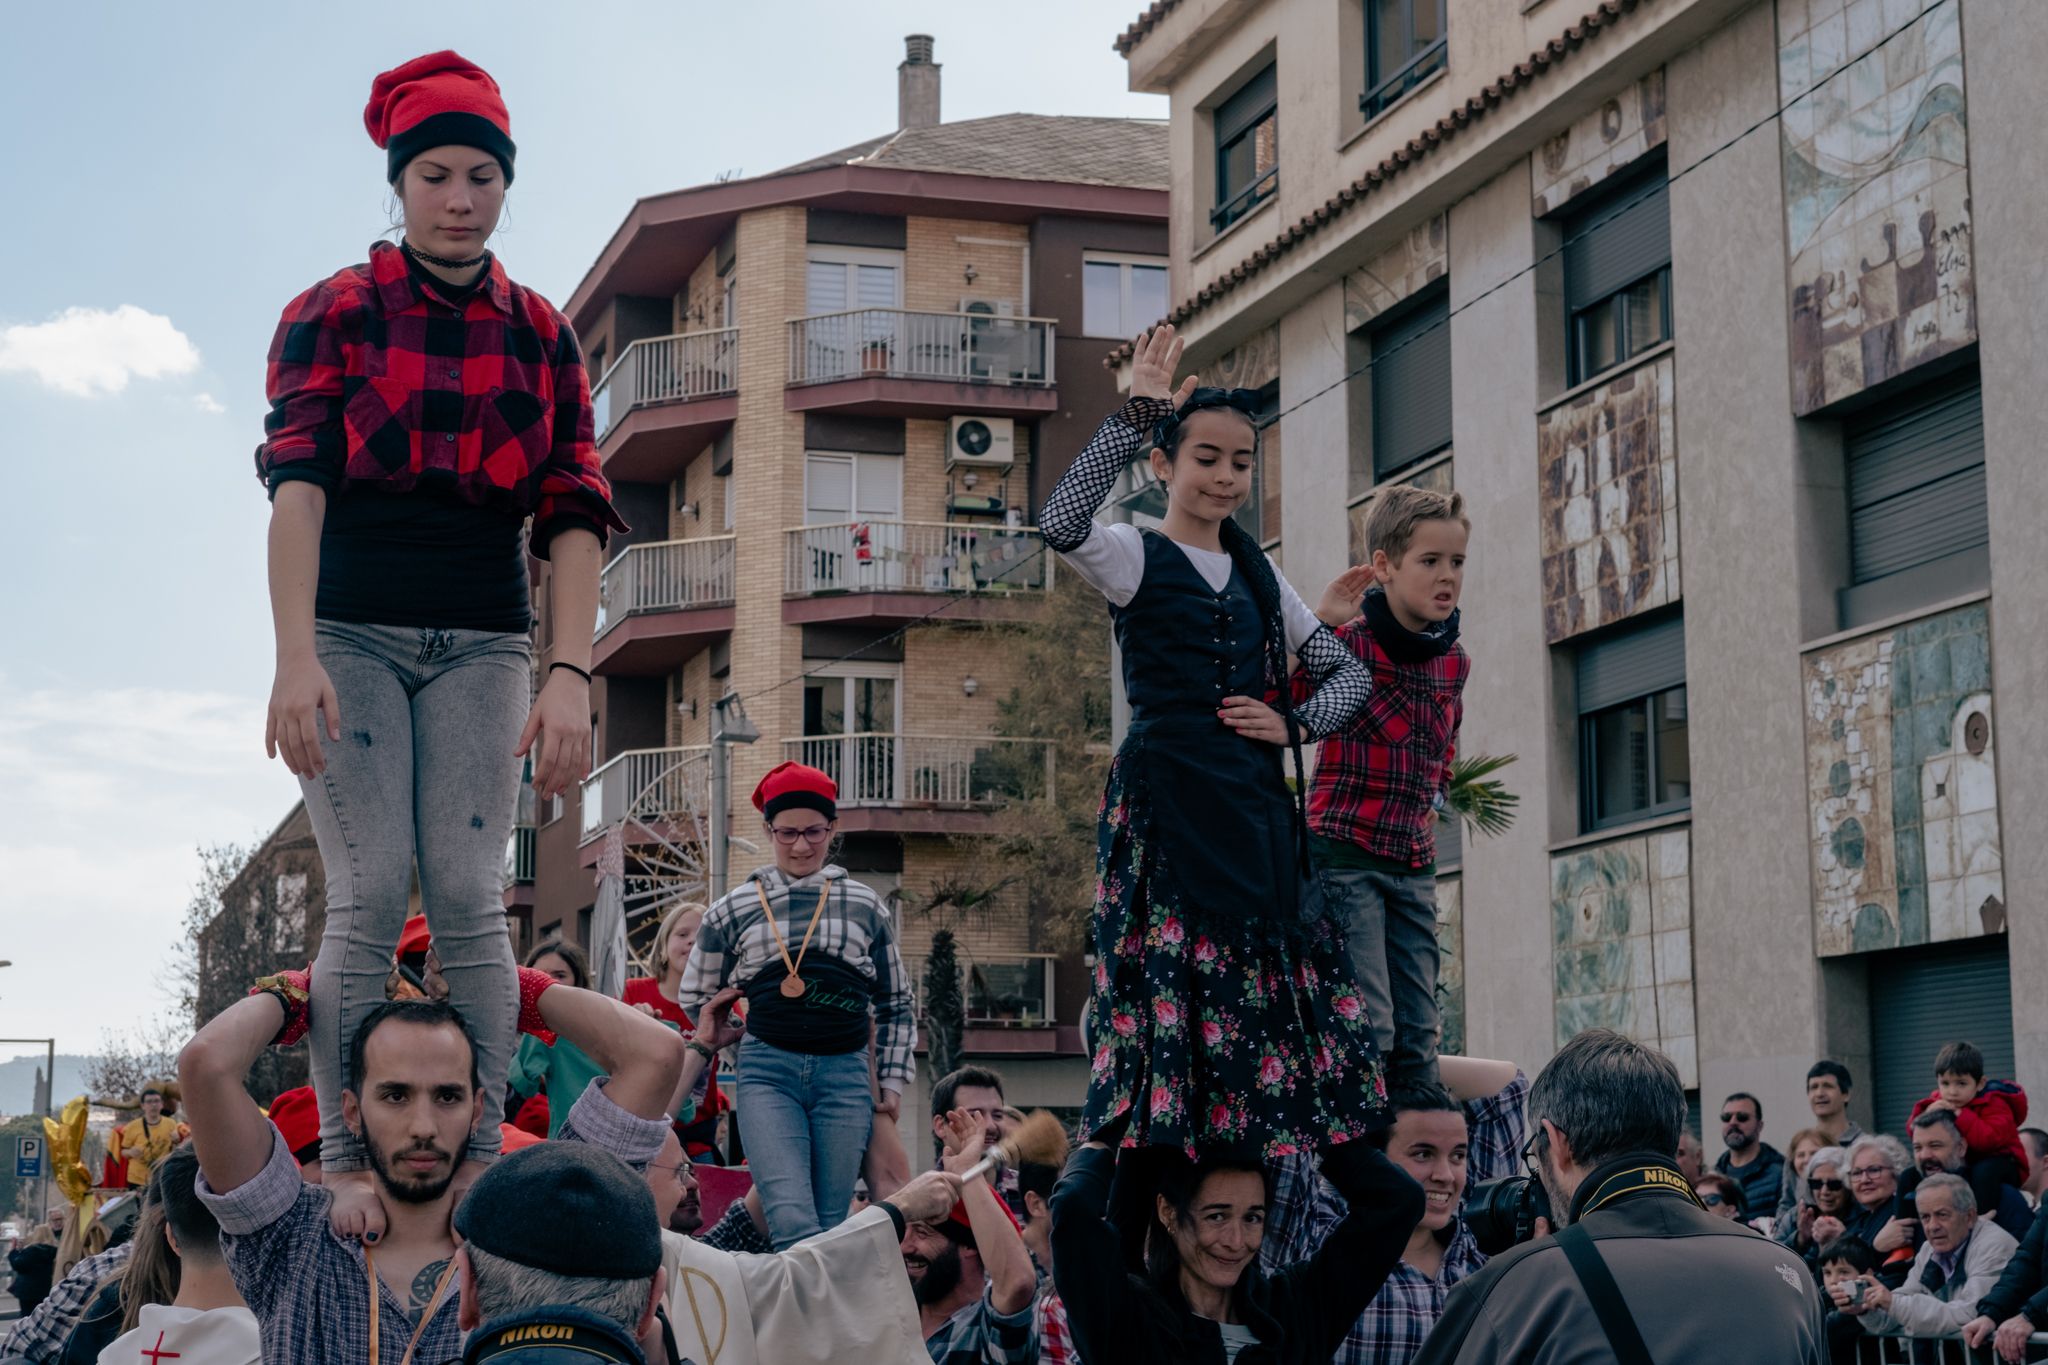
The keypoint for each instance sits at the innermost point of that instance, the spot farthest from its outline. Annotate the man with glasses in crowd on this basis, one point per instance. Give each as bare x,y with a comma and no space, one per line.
1750,1161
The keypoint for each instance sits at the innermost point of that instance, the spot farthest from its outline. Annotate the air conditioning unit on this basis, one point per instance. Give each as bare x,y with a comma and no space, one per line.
984,441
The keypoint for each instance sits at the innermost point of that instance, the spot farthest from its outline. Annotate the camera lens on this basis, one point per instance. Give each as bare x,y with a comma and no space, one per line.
1503,1213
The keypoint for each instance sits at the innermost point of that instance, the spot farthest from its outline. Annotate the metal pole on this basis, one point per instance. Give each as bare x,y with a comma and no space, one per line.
721,782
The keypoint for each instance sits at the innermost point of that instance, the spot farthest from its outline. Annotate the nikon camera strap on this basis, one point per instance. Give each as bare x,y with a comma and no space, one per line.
1598,1282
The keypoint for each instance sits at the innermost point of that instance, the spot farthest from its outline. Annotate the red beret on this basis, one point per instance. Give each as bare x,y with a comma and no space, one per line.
793,786
416,938
297,1115
434,101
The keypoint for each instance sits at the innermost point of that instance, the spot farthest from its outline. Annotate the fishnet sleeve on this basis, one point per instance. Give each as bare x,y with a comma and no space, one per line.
1069,512
1342,684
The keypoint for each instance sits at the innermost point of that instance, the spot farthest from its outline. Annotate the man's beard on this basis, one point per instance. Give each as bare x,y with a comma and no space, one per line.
1560,1202
941,1277
412,1192
689,1215
1736,1141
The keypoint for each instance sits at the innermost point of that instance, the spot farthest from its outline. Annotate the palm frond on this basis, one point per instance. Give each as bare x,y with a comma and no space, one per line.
1477,797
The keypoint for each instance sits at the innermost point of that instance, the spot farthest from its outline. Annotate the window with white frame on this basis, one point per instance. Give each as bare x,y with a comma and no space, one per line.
1121,295
853,533
853,722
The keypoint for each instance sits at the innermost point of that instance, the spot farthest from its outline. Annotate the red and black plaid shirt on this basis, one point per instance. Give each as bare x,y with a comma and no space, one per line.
1377,780
374,383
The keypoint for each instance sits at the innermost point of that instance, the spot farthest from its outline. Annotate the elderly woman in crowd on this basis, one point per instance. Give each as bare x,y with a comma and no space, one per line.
1880,1214
1805,1143
1823,1206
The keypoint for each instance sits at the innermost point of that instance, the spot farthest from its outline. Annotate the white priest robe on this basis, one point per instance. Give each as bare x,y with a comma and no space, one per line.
213,1336
834,1299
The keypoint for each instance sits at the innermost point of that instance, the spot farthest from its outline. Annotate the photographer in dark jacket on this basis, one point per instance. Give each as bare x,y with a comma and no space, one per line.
1606,1114
1203,1299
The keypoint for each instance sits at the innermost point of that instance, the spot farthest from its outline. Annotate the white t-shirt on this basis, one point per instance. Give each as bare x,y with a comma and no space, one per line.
213,1336
1112,559
1236,1336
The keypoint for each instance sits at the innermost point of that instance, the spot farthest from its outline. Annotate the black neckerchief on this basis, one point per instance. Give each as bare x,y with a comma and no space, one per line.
1629,1177
1405,646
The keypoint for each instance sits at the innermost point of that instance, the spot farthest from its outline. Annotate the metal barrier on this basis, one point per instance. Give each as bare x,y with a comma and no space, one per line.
1900,1348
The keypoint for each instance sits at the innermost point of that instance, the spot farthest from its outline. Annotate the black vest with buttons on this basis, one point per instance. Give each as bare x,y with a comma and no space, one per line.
1219,814
1185,645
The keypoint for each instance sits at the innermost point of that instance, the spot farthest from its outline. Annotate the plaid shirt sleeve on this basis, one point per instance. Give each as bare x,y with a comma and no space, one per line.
1055,1339
595,1119
1498,1127
270,1226
303,436
573,488
1302,1212
895,1014
706,970
736,1232
41,1335
986,1337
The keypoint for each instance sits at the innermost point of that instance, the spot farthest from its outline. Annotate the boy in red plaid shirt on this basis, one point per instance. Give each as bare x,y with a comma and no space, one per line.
1379,783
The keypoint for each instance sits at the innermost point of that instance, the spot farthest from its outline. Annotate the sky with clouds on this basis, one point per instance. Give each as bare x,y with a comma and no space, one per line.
175,175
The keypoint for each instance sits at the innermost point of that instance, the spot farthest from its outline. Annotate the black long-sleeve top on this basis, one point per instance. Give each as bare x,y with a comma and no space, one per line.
1298,1316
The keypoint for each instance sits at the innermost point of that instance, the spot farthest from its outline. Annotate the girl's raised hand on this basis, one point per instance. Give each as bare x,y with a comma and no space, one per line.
1155,356
1346,592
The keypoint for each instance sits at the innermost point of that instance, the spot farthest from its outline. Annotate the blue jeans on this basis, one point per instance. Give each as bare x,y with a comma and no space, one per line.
805,1121
1390,934
423,773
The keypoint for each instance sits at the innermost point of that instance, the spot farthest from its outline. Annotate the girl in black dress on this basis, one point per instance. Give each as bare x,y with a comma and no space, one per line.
1224,1017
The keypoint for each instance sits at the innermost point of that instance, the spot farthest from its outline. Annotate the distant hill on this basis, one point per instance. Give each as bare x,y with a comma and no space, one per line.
18,1081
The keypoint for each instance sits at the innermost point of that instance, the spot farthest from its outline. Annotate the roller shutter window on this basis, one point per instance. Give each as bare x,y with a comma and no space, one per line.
1617,273
1634,749
1918,532
1925,996
1247,149
1411,384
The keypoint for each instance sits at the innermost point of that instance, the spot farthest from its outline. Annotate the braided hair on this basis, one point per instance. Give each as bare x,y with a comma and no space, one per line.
1245,554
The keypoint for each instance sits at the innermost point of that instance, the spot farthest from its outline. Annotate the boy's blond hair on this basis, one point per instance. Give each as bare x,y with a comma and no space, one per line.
1399,508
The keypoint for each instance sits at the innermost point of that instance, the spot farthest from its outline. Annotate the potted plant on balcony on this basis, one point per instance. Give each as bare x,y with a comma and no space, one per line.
875,356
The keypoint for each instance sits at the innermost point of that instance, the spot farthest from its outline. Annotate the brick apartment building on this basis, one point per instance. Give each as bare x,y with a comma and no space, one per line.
829,400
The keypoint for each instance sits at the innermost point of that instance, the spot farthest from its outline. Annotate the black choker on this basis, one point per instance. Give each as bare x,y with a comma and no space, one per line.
442,261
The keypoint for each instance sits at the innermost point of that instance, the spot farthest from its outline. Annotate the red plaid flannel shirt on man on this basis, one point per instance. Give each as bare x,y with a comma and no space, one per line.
1377,780
375,383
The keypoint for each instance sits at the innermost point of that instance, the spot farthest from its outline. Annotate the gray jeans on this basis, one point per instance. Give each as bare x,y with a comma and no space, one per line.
423,771
1390,930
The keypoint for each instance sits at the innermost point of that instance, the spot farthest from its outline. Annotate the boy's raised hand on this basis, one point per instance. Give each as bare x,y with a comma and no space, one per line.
1342,599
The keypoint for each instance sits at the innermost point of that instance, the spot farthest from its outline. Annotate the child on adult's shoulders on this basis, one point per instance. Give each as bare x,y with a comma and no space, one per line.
1381,782
1988,1113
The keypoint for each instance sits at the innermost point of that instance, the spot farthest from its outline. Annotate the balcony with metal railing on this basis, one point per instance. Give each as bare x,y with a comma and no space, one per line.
893,570
898,362
654,793
927,784
519,857
663,400
659,603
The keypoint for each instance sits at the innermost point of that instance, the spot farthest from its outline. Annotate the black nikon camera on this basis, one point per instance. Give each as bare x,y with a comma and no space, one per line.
1502,1213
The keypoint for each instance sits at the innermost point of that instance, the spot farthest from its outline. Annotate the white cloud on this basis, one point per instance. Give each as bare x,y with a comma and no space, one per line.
207,403
91,352
105,794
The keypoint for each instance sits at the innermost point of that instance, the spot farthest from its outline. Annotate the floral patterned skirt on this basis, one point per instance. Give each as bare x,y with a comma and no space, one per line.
1215,1041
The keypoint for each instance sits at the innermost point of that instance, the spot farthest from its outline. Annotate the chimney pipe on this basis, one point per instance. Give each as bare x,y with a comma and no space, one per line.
917,84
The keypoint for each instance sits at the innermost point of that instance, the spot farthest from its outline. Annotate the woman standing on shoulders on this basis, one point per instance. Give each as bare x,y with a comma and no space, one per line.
1224,1016
423,408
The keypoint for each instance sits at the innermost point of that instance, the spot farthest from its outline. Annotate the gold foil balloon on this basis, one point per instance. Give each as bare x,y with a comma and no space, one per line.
66,1139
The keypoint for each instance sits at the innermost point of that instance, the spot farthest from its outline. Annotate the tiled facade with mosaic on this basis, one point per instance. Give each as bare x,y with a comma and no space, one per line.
1607,140
1621,932
1421,257
1877,194
1901,765
1607,484
1450,972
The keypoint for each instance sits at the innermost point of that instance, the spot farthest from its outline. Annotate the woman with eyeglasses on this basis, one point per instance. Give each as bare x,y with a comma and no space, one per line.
816,954
1224,1017
1824,1204
1878,1212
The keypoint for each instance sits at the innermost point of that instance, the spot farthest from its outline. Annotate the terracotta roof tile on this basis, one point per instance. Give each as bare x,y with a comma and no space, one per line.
1144,24
1124,152
1473,110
